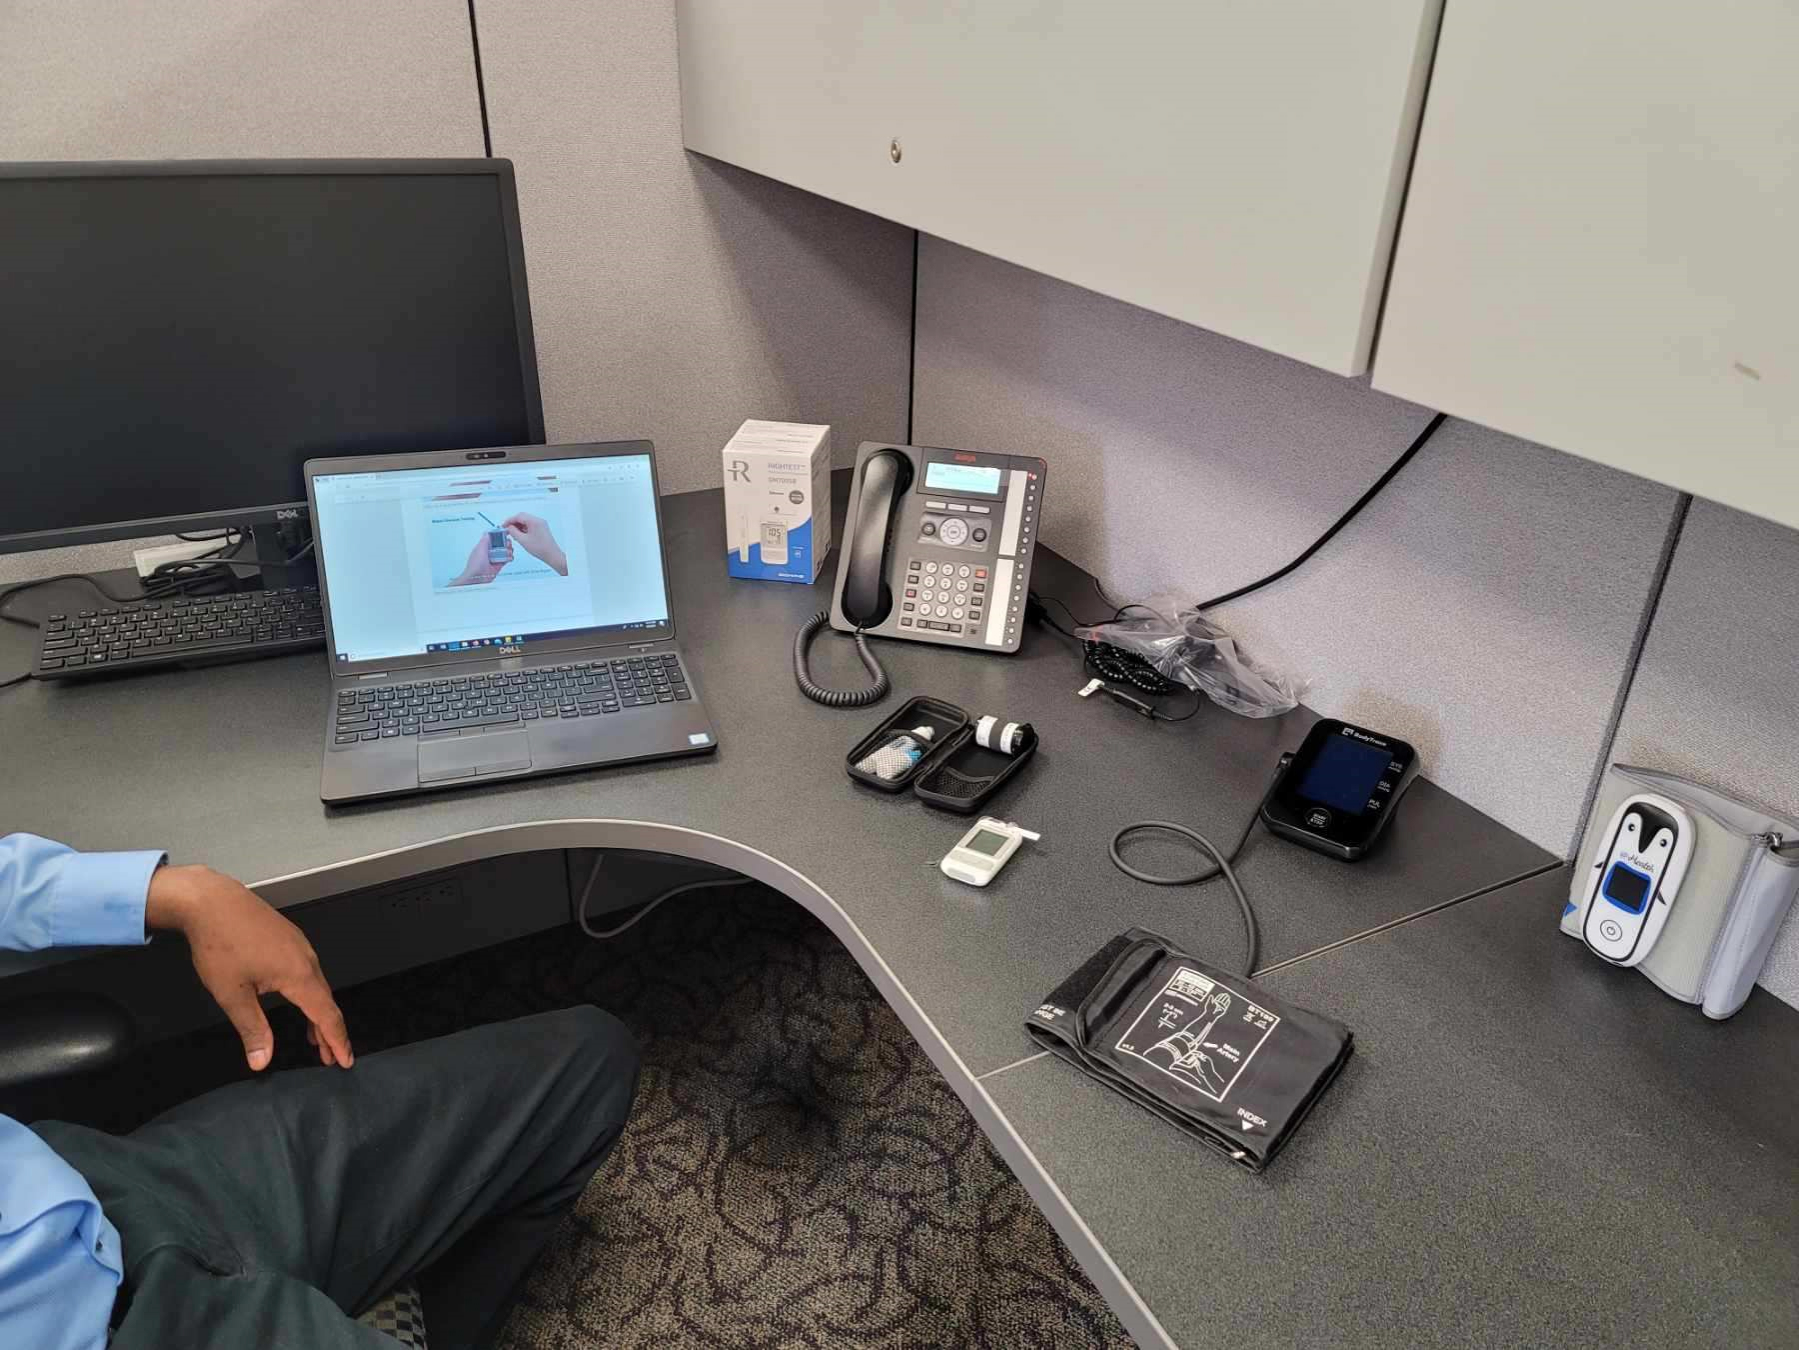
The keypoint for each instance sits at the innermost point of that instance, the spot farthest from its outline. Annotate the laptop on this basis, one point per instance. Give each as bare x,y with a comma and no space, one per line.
496,614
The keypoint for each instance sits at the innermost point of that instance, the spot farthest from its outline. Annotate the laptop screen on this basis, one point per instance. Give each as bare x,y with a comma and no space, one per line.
425,561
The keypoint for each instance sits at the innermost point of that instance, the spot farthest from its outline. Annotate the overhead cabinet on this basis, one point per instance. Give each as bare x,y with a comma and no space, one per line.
1600,248
1237,166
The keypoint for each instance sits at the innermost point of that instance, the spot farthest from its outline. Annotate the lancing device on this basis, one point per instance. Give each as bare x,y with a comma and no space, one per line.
1637,870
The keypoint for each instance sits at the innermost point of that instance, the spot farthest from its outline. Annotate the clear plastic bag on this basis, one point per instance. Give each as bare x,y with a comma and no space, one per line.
1185,646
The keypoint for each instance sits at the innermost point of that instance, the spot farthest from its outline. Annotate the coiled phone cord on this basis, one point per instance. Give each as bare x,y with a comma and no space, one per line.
837,698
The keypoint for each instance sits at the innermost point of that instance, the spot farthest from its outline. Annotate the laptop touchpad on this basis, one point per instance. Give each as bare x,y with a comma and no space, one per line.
467,756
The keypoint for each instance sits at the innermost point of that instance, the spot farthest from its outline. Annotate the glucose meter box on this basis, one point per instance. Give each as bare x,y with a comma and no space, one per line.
778,500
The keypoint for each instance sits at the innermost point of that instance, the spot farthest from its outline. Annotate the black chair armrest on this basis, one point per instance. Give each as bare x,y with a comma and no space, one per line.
50,1036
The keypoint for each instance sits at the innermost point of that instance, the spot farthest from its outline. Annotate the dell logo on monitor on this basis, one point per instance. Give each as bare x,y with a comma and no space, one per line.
486,454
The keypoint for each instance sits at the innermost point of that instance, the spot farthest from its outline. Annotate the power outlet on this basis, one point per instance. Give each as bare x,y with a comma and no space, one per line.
425,893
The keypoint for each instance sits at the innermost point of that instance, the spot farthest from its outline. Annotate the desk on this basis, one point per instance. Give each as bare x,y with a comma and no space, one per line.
1527,1149
222,765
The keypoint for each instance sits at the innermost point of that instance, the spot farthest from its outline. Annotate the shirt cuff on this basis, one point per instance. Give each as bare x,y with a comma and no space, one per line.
100,899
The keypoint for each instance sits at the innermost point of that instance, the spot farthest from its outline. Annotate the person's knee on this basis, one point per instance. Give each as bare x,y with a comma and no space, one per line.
600,1036
603,1056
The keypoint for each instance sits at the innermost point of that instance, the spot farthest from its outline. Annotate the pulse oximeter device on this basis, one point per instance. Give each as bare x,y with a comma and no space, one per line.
1637,870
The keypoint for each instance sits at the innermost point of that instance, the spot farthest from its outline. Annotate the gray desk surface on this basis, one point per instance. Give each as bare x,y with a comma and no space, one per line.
222,765
1528,1149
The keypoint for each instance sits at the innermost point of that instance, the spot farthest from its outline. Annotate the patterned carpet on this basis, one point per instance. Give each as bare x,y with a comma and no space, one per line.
796,1172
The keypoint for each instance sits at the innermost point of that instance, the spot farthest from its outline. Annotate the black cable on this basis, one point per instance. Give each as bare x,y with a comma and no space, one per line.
19,588
1342,520
1118,666
837,698
1252,934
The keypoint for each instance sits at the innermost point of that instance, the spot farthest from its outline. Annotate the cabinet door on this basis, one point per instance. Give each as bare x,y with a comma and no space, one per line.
1600,248
1238,166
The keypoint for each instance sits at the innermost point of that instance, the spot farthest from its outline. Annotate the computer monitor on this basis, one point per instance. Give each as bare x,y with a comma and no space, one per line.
177,339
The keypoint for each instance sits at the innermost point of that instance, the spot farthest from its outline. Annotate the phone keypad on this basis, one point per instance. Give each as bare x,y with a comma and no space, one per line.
943,597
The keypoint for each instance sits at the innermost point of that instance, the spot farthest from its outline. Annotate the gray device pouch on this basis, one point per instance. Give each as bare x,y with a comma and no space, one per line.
1738,888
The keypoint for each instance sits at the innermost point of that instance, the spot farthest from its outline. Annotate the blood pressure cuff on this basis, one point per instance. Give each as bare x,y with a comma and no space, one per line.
1212,1054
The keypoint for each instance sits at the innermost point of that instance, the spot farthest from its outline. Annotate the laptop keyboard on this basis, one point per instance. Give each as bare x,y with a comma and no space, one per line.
462,703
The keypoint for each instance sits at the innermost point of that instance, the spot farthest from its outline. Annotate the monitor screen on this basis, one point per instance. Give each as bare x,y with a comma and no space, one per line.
1626,888
1343,773
178,342
989,842
424,561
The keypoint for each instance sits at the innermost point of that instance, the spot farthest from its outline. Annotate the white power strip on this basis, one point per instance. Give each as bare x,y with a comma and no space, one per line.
149,559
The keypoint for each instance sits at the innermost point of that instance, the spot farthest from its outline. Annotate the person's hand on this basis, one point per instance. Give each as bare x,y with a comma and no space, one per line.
242,948
534,533
481,568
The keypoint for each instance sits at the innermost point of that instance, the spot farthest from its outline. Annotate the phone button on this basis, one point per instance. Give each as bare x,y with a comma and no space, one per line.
933,506
982,510
909,608
905,623
980,535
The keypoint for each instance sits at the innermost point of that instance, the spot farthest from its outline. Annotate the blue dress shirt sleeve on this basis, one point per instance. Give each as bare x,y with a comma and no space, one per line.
52,896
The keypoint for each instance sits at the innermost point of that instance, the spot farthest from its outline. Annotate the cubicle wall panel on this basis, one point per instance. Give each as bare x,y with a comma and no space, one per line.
99,79
1716,697
229,79
675,296
1238,166
1474,608
1597,250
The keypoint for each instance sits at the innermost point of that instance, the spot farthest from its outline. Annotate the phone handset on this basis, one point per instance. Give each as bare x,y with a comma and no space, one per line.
886,476
867,597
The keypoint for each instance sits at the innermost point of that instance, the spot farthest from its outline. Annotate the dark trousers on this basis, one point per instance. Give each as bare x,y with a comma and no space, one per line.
263,1214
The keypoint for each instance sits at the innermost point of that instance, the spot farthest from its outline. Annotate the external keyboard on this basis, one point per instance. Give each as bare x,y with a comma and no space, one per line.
448,707
237,627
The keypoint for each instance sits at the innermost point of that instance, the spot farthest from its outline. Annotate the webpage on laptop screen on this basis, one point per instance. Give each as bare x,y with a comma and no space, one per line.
435,560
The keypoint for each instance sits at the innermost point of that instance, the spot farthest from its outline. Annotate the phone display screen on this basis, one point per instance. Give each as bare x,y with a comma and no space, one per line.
962,478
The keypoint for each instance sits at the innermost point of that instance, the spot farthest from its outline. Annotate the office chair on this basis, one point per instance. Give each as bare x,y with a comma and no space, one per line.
48,1039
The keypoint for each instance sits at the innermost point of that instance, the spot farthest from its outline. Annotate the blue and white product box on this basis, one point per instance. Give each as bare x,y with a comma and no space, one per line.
778,500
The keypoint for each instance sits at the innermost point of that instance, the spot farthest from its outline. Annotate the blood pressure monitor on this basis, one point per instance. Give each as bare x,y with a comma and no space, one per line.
1641,860
1336,793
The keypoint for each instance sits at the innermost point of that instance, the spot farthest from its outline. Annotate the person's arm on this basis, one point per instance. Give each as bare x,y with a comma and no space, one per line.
52,896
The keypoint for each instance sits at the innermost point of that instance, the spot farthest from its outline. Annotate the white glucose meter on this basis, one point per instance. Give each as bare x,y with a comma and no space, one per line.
977,858
1637,870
